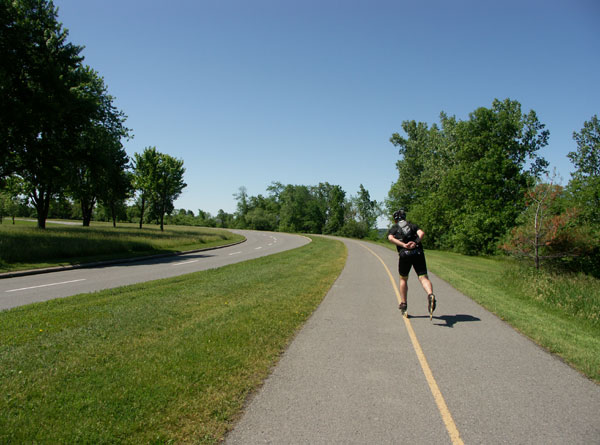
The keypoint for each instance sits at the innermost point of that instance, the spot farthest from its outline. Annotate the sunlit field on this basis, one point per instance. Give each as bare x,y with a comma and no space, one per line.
24,246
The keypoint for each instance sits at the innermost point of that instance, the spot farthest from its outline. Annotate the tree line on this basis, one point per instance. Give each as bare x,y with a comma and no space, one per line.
479,186
321,209
60,130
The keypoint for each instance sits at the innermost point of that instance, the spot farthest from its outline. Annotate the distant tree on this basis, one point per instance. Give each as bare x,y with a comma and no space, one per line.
336,210
119,187
585,180
261,213
242,207
300,210
368,211
224,219
144,169
167,185
11,197
330,203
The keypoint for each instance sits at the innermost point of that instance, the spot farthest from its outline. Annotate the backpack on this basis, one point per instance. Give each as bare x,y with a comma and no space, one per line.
407,231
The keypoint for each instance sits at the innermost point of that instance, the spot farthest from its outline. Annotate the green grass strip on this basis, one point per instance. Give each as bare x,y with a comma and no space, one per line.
167,361
24,246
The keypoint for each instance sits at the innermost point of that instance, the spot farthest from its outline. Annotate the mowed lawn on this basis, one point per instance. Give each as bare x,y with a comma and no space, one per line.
24,246
168,361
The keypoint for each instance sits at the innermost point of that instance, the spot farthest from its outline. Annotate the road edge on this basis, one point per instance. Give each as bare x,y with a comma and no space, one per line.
22,273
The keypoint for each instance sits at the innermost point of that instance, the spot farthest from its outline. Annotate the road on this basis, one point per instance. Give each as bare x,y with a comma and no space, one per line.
359,373
19,291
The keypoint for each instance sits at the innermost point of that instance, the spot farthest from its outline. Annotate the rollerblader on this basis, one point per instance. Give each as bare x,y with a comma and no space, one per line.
407,237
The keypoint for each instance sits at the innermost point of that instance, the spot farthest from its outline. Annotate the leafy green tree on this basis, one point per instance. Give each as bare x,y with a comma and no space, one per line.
464,182
44,100
144,170
242,207
368,211
167,185
100,163
224,219
585,180
118,188
300,210
331,202
262,213
11,197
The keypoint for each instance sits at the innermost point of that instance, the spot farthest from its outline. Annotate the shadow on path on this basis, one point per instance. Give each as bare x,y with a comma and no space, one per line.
449,320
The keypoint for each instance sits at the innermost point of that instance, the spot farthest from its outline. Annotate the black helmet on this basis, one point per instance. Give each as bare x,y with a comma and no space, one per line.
399,215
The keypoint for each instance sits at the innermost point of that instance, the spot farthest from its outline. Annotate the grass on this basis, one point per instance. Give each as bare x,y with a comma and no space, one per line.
560,312
24,246
169,361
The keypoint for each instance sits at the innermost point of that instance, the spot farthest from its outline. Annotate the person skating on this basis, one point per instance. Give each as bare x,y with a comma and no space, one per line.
408,237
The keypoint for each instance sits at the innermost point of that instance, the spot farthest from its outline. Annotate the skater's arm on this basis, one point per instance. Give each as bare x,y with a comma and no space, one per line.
397,242
421,235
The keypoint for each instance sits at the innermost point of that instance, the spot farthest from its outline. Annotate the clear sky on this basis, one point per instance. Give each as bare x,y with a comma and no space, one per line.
305,91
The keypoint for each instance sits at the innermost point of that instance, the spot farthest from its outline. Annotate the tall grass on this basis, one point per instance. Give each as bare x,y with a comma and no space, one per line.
23,246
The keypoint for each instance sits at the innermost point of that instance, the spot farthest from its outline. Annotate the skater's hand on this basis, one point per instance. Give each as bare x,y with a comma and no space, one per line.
411,245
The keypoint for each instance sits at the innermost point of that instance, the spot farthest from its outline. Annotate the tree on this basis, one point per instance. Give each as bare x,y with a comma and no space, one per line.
11,199
242,207
100,162
464,181
547,231
45,105
144,168
300,210
585,180
367,209
167,184
118,188
334,200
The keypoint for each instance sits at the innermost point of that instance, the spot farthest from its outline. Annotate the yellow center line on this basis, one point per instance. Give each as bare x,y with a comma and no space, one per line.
433,386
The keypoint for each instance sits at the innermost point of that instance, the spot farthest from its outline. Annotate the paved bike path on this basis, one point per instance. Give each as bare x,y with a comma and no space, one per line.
353,375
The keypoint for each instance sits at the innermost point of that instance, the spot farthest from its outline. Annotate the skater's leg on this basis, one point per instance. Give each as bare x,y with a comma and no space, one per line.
428,287
426,283
403,289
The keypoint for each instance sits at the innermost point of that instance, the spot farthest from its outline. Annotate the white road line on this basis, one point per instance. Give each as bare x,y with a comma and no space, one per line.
45,285
185,262
235,253
257,248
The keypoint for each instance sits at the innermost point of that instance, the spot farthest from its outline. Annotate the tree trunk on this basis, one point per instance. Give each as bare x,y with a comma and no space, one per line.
87,209
41,201
142,211
113,214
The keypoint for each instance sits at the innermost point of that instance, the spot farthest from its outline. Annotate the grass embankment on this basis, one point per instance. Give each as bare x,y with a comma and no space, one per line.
166,361
559,312
24,246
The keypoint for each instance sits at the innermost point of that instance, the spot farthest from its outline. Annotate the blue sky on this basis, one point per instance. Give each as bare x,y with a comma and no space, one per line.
302,92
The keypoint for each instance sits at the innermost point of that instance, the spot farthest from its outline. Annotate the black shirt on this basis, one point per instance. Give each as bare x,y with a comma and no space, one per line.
396,231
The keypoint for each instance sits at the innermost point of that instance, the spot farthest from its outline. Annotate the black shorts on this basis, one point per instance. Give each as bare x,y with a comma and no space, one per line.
416,260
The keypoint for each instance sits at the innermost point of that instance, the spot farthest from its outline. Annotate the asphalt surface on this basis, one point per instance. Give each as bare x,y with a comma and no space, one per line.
353,375
18,291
